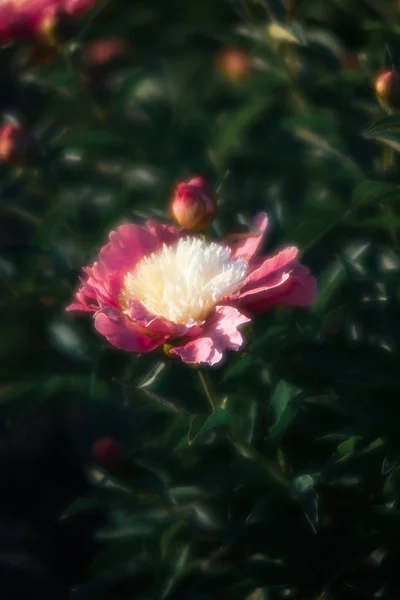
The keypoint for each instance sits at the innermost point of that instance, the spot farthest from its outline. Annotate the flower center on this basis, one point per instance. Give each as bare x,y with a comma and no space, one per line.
184,282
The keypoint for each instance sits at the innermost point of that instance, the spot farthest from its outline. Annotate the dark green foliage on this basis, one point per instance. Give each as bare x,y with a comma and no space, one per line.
290,488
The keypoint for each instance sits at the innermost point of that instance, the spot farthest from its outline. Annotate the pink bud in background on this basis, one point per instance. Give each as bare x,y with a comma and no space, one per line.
234,64
107,453
387,88
193,206
16,144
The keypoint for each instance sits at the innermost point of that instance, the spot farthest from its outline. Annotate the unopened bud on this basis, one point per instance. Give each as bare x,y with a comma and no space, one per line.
234,63
16,144
100,58
108,453
387,89
193,206
105,52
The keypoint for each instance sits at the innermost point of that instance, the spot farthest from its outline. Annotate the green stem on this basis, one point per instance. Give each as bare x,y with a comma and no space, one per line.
207,389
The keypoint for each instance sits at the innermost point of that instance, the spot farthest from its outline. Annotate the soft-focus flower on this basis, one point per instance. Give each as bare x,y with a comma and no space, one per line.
192,206
153,285
100,58
234,63
104,52
387,88
16,144
28,19
108,453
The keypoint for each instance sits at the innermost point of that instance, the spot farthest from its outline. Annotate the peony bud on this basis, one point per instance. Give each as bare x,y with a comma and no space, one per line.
108,453
387,89
193,206
16,144
234,63
105,52
100,58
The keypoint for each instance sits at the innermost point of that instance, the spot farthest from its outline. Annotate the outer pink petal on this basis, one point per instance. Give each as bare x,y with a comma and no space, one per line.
270,267
221,333
296,288
246,245
304,288
166,234
127,246
122,334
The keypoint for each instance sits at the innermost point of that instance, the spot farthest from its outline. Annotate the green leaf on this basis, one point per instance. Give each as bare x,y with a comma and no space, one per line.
93,139
279,400
294,34
375,191
271,468
348,446
333,277
219,418
387,131
230,133
383,126
239,367
302,488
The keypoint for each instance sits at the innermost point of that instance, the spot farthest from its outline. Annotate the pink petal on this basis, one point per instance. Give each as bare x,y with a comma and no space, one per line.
246,245
81,302
165,234
269,267
220,333
159,325
296,288
304,289
155,325
121,332
127,246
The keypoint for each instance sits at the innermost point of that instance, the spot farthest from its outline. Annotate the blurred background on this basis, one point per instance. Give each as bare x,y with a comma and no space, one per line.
114,483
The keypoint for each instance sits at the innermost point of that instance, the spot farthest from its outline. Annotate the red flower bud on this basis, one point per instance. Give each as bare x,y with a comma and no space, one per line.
16,144
387,88
234,63
100,58
108,453
193,206
104,52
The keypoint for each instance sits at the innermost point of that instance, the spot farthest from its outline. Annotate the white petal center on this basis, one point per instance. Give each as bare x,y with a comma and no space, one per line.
184,282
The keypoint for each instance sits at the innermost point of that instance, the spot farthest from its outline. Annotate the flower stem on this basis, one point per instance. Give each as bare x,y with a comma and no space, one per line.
207,389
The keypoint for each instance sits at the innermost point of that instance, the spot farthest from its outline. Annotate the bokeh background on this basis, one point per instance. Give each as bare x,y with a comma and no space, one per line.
292,490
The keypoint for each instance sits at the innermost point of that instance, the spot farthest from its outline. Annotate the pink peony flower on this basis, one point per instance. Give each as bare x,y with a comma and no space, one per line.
28,19
153,285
